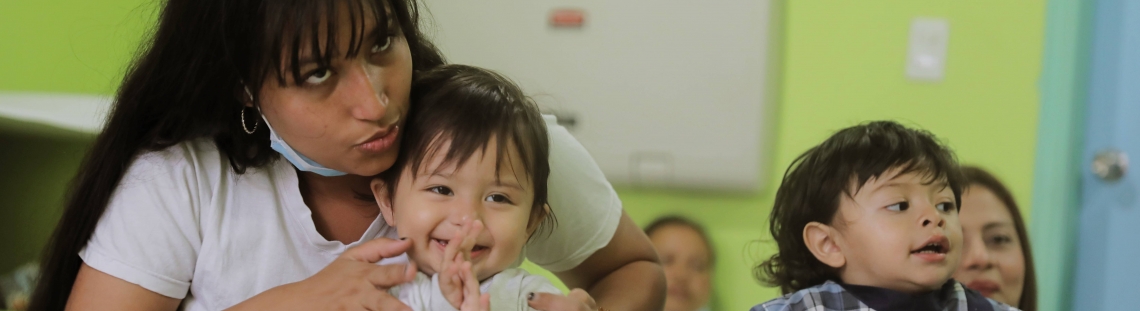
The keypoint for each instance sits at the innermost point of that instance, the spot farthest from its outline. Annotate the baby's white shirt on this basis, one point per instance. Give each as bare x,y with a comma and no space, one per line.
508,289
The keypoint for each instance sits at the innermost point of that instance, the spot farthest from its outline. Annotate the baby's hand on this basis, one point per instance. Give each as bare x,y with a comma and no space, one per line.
472,299
456,255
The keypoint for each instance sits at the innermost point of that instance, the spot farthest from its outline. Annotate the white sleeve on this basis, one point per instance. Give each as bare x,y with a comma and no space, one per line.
586,207
149,234
510,288
422,294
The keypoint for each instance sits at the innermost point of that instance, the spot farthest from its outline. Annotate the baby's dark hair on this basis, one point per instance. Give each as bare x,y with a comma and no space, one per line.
841,165
469,106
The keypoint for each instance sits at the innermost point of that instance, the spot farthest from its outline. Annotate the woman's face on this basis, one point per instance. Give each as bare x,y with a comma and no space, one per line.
345,116
687,267
993,263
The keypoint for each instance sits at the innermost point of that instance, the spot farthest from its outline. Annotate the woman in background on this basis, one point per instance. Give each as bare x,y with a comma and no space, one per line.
688,257
997,261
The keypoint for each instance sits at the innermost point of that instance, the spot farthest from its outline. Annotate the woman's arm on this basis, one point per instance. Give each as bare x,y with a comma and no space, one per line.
95,290
351,282
624,275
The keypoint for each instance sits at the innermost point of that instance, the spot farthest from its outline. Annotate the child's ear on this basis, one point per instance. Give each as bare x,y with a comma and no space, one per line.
821,241
383,199
536,220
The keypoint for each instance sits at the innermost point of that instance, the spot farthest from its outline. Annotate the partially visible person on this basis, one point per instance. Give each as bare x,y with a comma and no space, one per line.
868,220
997,261
688,257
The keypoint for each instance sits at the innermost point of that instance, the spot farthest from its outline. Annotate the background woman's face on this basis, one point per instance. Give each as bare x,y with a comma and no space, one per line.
993,263
345,116
687,267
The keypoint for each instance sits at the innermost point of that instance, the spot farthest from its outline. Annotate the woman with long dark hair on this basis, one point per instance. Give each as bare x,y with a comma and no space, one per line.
997,261
233,172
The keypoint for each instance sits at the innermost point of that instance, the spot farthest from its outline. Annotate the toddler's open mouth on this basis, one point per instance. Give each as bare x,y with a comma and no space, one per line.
934,250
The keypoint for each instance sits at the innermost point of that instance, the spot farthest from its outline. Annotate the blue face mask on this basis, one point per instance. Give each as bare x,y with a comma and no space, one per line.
299,161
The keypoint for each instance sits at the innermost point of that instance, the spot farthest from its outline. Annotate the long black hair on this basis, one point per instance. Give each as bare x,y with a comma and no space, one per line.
186,84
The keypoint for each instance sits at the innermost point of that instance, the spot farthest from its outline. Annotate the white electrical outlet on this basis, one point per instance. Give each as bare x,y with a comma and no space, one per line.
926,56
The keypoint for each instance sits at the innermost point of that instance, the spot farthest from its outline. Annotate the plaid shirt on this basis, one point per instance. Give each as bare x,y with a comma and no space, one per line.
831,296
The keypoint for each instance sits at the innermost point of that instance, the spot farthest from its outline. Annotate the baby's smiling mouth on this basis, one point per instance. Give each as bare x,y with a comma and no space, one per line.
443,245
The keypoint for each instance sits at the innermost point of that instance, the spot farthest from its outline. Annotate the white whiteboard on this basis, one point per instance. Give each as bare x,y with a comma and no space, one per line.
666,93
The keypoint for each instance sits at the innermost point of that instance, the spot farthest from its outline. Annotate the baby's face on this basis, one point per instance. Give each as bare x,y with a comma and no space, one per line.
899,233
431,207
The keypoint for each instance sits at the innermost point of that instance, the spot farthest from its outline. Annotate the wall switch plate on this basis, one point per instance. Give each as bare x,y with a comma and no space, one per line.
926,56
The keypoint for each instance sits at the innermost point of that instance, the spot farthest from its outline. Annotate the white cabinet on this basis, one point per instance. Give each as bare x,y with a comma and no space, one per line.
664,93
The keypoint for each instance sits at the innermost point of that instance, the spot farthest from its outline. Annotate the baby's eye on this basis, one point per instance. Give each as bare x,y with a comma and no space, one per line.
318,76
900,206
498,198
945,207
444,190
382,46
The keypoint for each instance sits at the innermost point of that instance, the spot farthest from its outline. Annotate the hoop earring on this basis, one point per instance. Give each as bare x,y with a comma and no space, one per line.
243,127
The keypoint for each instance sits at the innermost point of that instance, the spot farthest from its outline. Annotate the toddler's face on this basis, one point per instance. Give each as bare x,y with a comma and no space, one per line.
900,233
431,206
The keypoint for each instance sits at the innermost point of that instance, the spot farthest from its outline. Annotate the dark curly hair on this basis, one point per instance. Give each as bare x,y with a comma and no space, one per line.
812,185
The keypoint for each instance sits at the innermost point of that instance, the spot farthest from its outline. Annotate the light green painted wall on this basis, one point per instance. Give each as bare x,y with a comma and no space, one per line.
70,46
842,64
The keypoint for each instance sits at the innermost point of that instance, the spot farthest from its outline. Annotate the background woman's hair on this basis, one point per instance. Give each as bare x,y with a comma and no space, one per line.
676,220
185,83
975,176
841,165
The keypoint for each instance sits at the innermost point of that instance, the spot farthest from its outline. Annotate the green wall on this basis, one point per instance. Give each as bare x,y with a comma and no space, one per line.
842,63
31,186
66,46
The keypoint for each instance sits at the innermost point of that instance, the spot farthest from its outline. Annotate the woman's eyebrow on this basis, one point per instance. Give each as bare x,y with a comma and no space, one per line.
996,224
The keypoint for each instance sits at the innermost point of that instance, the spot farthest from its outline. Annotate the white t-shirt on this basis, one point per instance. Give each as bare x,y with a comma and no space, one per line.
182,224
508,290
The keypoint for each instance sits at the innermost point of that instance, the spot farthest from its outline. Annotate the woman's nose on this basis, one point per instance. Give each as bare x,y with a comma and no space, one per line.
676,274
365,88
976,256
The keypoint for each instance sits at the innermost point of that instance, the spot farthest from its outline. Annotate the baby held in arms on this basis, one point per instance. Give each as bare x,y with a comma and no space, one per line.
469,190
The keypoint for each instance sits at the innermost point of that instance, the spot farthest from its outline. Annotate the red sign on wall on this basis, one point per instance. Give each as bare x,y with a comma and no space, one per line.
567,18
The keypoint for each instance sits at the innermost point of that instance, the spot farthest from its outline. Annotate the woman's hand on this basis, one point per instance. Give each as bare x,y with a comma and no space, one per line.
577,300
351,282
